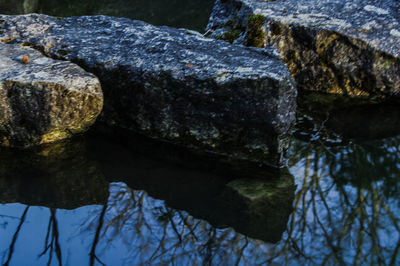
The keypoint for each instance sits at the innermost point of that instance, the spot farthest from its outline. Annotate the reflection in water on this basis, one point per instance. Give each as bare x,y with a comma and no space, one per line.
154,233
191,14
339,205
146,229
345,205
132,228
57,175
335,119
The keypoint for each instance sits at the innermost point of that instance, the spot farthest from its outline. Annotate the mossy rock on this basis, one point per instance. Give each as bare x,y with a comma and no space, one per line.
255,34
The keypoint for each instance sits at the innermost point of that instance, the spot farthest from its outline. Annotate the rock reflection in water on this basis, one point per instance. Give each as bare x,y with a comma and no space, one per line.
191,14
155,233
345,210
148,230
255,201
327,118
55,175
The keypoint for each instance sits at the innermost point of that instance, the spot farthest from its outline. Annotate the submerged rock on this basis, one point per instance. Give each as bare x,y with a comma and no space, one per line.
43,100
174,85
346,47
260,208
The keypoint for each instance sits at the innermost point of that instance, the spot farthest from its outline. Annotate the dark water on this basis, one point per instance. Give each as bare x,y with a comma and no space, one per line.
116,199
191,14
109,200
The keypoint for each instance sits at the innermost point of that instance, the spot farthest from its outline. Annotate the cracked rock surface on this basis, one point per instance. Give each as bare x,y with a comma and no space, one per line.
43,100
174,84
337,46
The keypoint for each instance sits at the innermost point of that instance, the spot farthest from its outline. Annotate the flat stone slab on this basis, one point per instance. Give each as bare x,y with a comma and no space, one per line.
339,46
173,84
43,100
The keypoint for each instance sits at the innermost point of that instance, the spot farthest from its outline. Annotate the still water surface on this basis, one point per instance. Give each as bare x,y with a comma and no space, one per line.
94,200
97,200
191,14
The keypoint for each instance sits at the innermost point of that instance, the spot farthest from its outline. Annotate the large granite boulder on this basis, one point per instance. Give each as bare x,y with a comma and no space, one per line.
173,85
43,100
336,46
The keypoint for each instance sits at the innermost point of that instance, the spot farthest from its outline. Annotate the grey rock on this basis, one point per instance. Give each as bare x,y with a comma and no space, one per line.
265,205
336,46
174,85
43,100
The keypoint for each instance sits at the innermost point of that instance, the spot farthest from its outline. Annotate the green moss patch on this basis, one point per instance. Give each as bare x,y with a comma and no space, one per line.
255,35
231,36
233,32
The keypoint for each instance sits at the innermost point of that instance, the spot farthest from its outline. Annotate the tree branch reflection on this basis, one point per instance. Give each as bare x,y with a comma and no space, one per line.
52,243
15,237
341,217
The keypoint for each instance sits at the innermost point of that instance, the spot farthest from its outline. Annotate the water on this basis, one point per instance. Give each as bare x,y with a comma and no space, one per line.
94,200
191,14
117,199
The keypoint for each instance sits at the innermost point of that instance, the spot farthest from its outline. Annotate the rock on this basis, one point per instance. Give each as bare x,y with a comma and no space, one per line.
43,100
174,85
346,47
260,208
169,153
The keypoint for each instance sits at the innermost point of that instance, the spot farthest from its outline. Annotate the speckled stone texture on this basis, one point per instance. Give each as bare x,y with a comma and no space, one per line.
338,46
173,84
43,100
